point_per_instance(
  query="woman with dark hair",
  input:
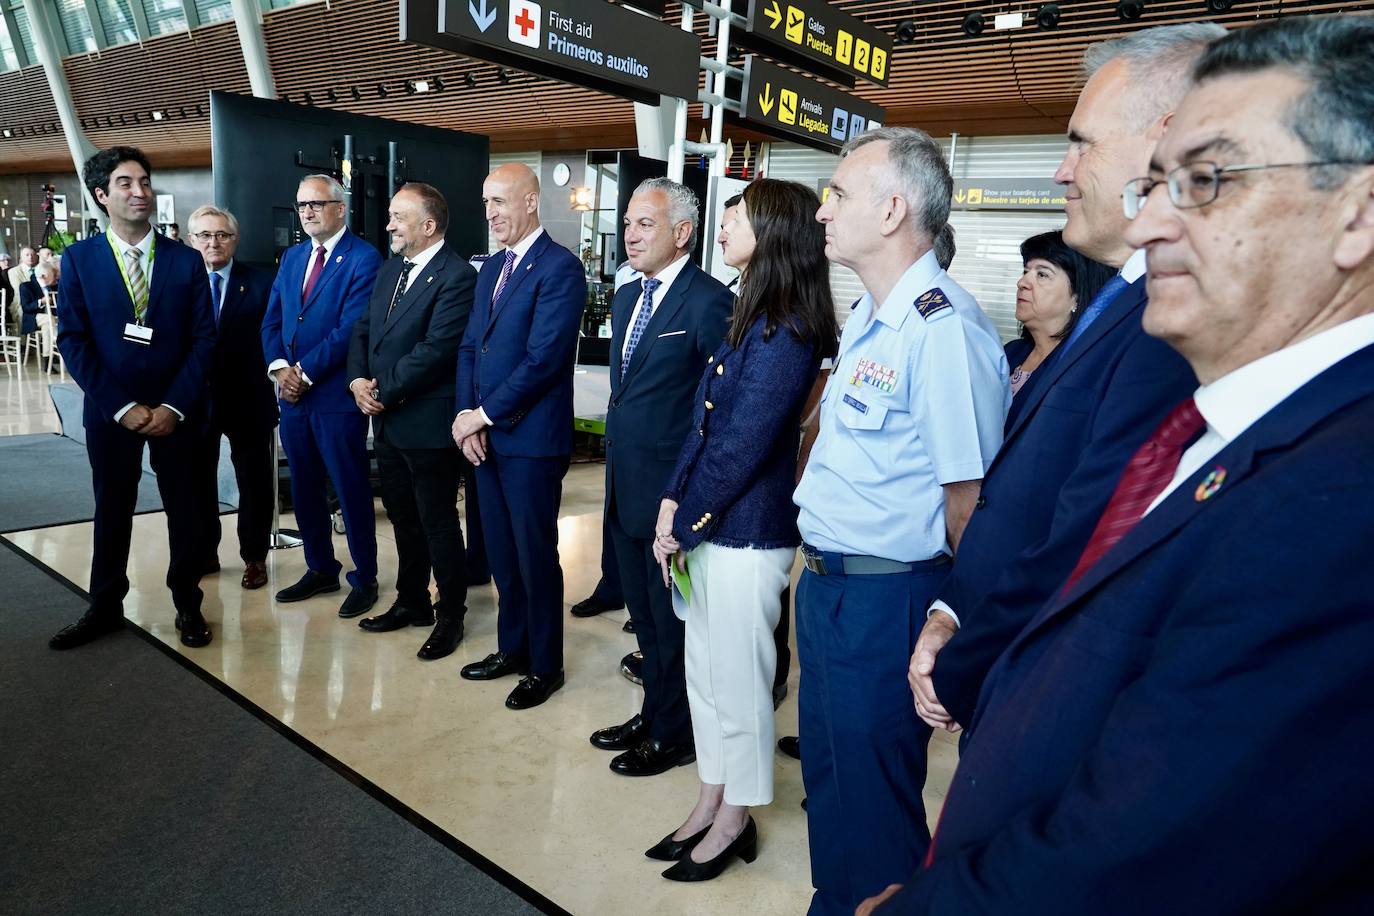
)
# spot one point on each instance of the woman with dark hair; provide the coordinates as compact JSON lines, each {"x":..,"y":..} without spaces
{"x":728,"y":522}
{"x":1055,"y":282}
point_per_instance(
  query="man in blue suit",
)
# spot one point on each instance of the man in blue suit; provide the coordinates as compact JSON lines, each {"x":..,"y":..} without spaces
{"x":321,"y":291}
{"x":1091,"y":404}
{"x":137,"y":334}
{"x":666,"y":324}
{"x":1184,"y":728}
{"x":514,"y":400}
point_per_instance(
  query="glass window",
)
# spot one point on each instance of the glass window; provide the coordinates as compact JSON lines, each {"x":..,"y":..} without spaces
{"x":119,"y":21}
{"x":214,"y":11}
{"x":21,"y":19}
{"x":76,"y":26}
{"x":164,"y":16}
{"x":8,"y":60}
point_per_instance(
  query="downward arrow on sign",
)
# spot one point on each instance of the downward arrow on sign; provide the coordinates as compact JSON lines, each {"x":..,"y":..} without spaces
{"x":766,"y":99}
{"x":774,"y":15}
{"x":481,"y":15}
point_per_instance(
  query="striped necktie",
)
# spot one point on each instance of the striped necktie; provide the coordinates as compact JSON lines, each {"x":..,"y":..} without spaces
{"x":646,"y":311}
{"x":138,"y":283}
{"x":505,"y":274}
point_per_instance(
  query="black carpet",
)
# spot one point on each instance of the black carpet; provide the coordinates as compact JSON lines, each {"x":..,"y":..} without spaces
{"x":47,"y":481}
{"x":132,"y":783}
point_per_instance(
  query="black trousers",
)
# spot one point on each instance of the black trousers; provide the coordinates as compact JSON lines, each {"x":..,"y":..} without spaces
{"x":659,"y":633}
{"x":780,"y":636}
{"x":608,"y":590}
{"x":479,"y":570}
{"x":116,"y":466}
{"x":250,"y":449}
{"x":420,"y":493}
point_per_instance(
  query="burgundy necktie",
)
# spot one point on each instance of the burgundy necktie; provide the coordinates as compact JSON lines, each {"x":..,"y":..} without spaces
{"x":314,"y":274}
{"x":1147,"y":474}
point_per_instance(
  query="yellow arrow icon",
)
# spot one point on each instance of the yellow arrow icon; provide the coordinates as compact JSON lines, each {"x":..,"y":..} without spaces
{"x":959,"y":197}
{"x":774,"y":15}
{"x":766,"y":99}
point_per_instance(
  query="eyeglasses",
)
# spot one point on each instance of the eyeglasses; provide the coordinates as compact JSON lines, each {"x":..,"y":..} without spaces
{"x":217,"y":236}
{"x":314,"y":206}
{"x":1198,"y":183}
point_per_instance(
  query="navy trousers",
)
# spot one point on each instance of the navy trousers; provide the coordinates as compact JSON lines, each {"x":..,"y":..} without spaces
{"x":863,"y":746}
{"x":116,"y":465}
{"x":520,"y":499}
{"x":336,"y":444}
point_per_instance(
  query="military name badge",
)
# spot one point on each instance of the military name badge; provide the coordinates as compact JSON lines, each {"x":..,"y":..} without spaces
{"x":933,"y":303}
{"x":1210,"y":484}
{"x":873,"y":373}
{"x":854,"y":402}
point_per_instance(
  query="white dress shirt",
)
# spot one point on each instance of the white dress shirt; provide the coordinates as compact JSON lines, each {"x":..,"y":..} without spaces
{"x":666,"y":276}
{"x":1234,"y":402}
{"x":521,"y":248}
{"x":144,"y":245}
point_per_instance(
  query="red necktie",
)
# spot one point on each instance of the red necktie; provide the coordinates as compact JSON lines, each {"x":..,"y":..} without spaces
{"x":1147,"y":474}
{"x":314,"y":274}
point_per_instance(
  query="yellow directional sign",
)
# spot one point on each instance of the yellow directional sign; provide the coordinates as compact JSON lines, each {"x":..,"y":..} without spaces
{"x":787,"y":107}
{"x":787,"y":104}
{"x":796,"y":20}
{"x":844,"y":47}
{"x":814,"y":35}
{"x":766,"y":99}
{"x":773,"y":13}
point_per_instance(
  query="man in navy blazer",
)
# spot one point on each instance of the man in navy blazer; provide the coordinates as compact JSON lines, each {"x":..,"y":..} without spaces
{"x":1185,"y":727}
{"x":136,"y":334}
{"x":514,"y":399}
{"x":243,"y":405}
{"x":1088,"y":408}
{"x":664,"y":327}
{"x":321,"y":291}
{"x":400,"y":365}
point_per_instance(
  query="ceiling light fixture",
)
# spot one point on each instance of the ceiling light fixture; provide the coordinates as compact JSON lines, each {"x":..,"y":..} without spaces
{"x":906,"y":31}
{"x":1047,"y":17}
{"x":1130,"y":10}
{"x":159,"y":116}
{"x":1219,"y":6}
{"x":973,"y":25}
{"x":470,"y":80}
{"x":503,"y":76}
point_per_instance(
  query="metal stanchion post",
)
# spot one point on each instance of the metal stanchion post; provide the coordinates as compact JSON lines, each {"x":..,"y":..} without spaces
{"x":282,"y":538}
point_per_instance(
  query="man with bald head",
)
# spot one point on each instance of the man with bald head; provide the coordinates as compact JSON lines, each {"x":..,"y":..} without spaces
{"x":514,"y":403}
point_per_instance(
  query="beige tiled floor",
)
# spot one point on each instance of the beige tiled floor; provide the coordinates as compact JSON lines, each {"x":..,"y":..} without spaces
{"x":524,"y":789}
{"x":24,"y":403}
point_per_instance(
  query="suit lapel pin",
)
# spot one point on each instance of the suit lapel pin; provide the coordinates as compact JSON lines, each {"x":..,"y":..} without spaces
{"x":243,"y":289}
{"x":1210,"y":484}
{"x":429,"y":279}
{"x":338,"y":259}
{"x":528,"y":266}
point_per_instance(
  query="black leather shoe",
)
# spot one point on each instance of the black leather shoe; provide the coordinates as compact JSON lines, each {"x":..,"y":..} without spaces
{"x":670,"y":850}
{"x":195,"y":632}
{"x":592,"y":606}
{"x":497,"y":664}
{"x":621,"y":737}
{"x":791,"y":746}
{"x":533,"y":690}
{"x":91,"y":626}
{"x":746,"y":846}
{"x":629,"y":627}
{"x":632,"y":668}
{"x":653,"y":757}
{"x":310,"y":585}
{"x":360,"y":601}
{"x":396,"y":617}
{"x":448,"y":633}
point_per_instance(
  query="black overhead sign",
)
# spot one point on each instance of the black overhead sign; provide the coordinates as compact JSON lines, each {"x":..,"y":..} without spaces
{"x":789,"y":105}
{"x":584,"y":42}
{"x":815,"y":36}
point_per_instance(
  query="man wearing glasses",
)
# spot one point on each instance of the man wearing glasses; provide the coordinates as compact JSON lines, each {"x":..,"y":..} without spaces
{"x":1184,"y":728}
{"x":321,"y":290}
{"x":1092,"y":404}
{"x":243,"y":405}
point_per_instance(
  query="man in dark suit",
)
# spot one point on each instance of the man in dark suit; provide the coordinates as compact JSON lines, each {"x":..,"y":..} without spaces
{"x":243,"y":404}
{"x":321,"y":291}
{"x":401,"y":362}
{"x":33,"y":295}
{"x":1087,"y":409}
{"x":1184,"y":727}
{"x":136,"y":334}
{"x":664,"y":327}
{"x":514,"y":422}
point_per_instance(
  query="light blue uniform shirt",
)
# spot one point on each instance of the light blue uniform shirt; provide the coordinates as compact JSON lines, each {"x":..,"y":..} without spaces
{"x":915,"y":401}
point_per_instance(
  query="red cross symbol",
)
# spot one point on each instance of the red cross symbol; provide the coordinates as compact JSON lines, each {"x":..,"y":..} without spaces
{"x":525,"y":23}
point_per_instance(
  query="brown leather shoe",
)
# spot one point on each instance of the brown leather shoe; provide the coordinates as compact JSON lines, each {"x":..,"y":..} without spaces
{"x":254,"y":575}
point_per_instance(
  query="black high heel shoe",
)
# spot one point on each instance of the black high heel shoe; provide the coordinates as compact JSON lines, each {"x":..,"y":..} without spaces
{"x":746,"y":846}
{"x":670,"y":850}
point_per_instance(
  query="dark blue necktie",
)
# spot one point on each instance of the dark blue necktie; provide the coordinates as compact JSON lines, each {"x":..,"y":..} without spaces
{"x":215,"y":281}
{"x":646,"y":311}
{"x":1109,"y":291}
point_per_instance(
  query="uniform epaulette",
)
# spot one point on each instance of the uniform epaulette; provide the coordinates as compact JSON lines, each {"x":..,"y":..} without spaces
{"x":933,"y":303}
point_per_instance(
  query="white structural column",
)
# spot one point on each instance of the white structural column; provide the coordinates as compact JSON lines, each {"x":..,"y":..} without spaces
{"x":248,"y":19}
{"x":46,"y":48}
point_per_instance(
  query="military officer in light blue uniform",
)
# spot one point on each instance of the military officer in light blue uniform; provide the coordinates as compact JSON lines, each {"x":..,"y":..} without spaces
{"x":910,"y":421}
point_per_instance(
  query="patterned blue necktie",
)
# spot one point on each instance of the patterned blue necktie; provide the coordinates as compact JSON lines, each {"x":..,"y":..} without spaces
{"x":505,"y":274}
{"x":646,"y":311}
{"x":1110,"y":290}
{"x":215,"y":281}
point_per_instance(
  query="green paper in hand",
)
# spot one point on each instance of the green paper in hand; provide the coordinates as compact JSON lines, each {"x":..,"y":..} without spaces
{"x":682,"y":578}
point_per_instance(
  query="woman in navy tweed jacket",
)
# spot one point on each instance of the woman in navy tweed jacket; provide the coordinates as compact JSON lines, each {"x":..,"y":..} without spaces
{"x":728,"y":518}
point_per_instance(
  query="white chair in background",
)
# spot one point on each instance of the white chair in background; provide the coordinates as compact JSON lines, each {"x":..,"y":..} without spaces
{"x":54,"y":355}
{"x":9,"y":343}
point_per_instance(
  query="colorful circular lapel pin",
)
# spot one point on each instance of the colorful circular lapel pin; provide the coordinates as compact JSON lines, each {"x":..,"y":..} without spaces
{"x":1210,"y":484}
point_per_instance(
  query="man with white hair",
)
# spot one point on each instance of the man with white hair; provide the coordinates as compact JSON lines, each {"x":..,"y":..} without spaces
{"x":34,"y":297}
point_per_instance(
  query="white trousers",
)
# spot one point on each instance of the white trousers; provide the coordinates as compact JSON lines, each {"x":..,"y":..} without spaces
{"x":734,"y":607}
{"x":47,"y":338}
